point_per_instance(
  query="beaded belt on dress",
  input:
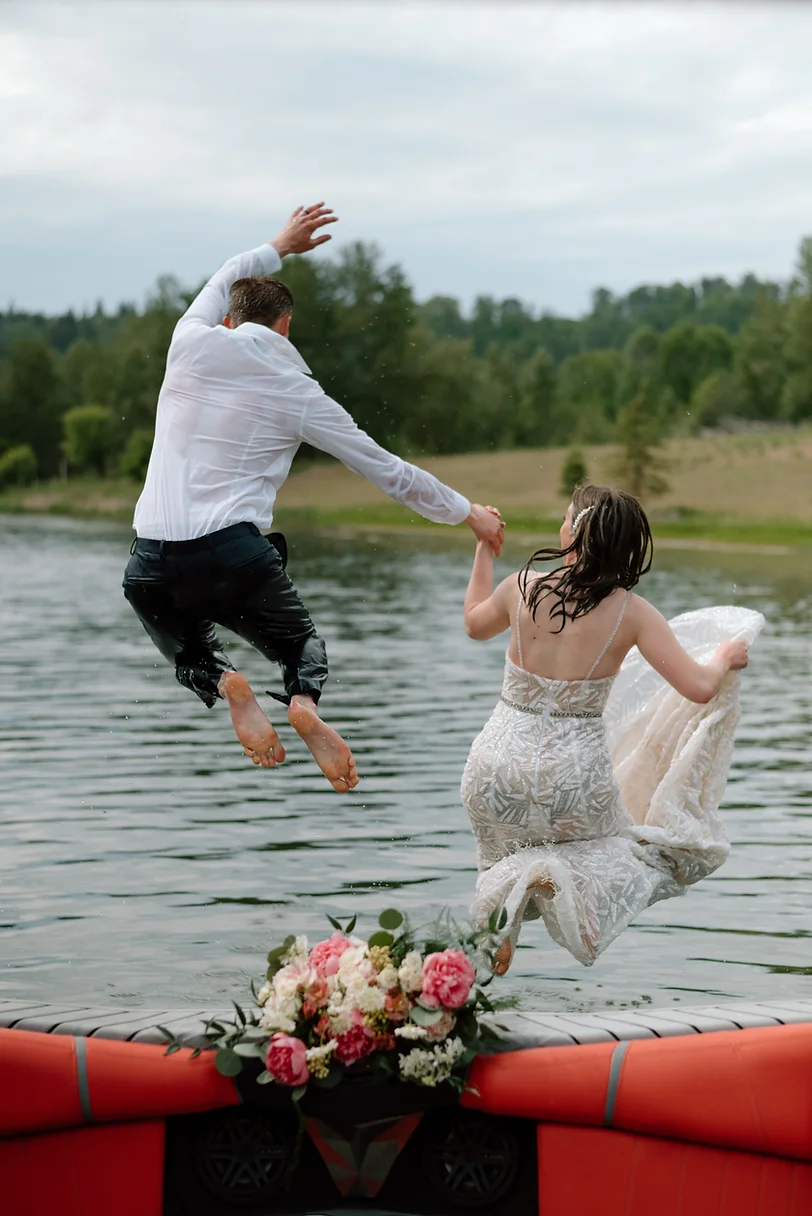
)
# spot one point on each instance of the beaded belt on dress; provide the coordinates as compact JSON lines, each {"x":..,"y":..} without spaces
{"x":553,"y":713}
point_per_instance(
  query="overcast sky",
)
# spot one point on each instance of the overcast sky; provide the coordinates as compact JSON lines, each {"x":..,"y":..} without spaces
{"x":529,"y":149}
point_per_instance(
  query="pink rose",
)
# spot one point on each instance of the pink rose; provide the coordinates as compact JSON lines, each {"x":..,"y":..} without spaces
{"x":447,"y":979}
{"x":315,"y":997}
{"x":442,"y":1028}
{"x":286,"y":1060}
{"x":358,"y":1042}
{"x":325,"y":956}
{"x":396,"y":1006}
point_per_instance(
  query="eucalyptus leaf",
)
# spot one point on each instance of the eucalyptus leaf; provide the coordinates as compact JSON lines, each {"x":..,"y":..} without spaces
{"x":255,"y":1033}
{"x":426,"y":1017}
{"x":264,"y":1078}
{"x":390,"y":918}
{"x":227,"y":1062}
{"x":298,"y":1093}
{"x":381,"y":938}
{"x":249,"y":1051}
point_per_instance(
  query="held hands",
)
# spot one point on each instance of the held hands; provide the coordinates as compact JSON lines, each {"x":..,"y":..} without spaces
{"x":733,"y":655}
{"x":487,"y":526}
{"x":297,"y":235}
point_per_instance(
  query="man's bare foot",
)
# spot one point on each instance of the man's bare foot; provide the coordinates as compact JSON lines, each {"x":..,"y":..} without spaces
{"x":329,"y":750}
{"x":502,"y":957}
{"x":254,"y":731}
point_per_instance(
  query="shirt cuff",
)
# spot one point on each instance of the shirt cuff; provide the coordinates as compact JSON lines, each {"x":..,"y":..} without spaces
{"x":271,"y":261}
{"x":460,"y":510}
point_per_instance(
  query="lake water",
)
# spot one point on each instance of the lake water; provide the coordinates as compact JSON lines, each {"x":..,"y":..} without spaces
{"x":144,"y":860}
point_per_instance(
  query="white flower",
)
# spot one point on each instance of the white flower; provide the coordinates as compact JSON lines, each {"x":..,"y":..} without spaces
{"x":354,"y":961}
{"x":340,"y":1021}
{"x":279,"y":1014}
{"x":321,"y":1053}
{"x":430,"y":1066}
{"x":286,"y":986}
{"x":388,"y":978}
{"x":371,"y":1000}
{"x":410,"y":1031}
{"x":410,"y":972}
{"x":263,"y":994}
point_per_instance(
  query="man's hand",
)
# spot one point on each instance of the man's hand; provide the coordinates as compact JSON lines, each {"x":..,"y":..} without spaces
{"x":486,"y":524}
{"x":297,"y":235}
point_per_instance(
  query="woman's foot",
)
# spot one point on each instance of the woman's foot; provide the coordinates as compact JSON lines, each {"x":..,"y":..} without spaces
{"x":329,"y":750}
{"x":254,"y":731}
{"x":502,"y":957}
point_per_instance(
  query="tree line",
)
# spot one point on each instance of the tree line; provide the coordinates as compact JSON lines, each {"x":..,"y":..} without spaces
{"x":78,"y":393}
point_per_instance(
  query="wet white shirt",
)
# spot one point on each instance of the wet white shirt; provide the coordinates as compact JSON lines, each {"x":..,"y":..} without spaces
{"x":233,"y":409}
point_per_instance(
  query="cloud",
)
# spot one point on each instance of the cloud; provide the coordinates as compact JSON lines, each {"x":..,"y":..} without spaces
{"x":526,"y":149}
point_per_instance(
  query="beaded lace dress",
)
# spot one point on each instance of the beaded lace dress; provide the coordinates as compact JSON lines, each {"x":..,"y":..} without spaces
{"x":591,"y":799}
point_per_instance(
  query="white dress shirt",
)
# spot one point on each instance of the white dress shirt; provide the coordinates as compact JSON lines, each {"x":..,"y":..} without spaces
{"x":233,"y":409}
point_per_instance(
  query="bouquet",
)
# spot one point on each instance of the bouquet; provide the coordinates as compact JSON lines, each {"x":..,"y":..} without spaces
{"x":387,"y":1007}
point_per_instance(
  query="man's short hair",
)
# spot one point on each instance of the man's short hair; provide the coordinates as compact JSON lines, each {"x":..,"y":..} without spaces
{"x":260,"y":299}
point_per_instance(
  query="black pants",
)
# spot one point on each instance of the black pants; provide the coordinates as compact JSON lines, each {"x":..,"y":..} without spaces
{"x":235,"y":578}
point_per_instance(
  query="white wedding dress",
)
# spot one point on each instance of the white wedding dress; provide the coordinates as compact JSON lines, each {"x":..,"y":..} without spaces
{"x":591,"y":799}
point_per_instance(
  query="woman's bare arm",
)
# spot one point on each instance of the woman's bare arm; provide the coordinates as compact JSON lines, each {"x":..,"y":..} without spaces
{"x":487,"y":612}
{"x":658,"y":645}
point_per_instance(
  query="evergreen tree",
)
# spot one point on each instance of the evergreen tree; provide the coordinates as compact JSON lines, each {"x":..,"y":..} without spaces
{"x":638,"y":466}
{"x":574,"y":471}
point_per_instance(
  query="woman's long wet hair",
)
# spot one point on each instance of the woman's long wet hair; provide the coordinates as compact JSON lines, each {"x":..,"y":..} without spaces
{"x":613,"y":547}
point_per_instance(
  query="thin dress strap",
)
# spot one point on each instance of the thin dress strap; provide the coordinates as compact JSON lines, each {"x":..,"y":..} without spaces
{"x":611,"y":637}
{"x":519,"y":630}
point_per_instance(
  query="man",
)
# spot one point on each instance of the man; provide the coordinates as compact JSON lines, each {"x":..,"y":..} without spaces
{"x":236,"y":402}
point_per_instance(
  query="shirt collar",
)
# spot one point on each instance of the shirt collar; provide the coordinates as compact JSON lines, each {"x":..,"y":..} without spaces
{"x":279,"y":343}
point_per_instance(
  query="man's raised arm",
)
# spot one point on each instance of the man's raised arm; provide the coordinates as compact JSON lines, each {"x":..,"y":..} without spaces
{"x":327,"y":426}
{"x":211,"y":304}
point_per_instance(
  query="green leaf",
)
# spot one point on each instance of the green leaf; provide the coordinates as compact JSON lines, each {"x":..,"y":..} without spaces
{"x":390,"y":918}
{"x":249,"y":1051}
{"x":483,"y":1001}
{"x":255,"y":1033}
{"x":264,"y":1078}
{"x":332,"y":1079}
{"x":381,"y":938}
{"x":298,"y":1093}
{"x":272,"y":970}
{"x":503,"y":919}
{"x":240,"y":1014}
{"x":197,"y":1051}
{"x":227,"y":1062}
{"x":351,"y":924}
{"x":426,"y":1017}
{"x":168,"y":1035}
{"x":172,"y":1049}
{"x":335,"y":924}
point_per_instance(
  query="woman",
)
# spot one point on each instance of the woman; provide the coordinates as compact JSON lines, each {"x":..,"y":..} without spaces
{"x":593,"y":789}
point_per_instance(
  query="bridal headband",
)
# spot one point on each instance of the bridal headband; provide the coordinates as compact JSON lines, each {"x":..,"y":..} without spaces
{"x":577,"y":521}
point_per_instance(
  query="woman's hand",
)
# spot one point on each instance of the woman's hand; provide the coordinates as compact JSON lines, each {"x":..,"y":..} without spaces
{"x":733,"y":655}
{"x":486,"y":525}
